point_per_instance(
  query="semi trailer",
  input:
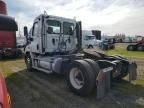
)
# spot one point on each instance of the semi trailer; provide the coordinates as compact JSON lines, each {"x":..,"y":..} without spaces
{"x":8,"y":37}
{"x":54,"y":45}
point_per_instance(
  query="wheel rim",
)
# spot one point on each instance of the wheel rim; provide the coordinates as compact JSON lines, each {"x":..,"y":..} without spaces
{"x":28,"y":62}
{"x":76,"y":78}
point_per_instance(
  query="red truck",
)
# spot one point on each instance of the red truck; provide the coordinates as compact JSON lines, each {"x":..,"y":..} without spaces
{"x":5,"y":101}
{"x":8,"y":37}
{"x":139,"y":46}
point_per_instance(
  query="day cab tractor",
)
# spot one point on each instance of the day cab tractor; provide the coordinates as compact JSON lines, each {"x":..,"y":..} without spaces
{"x":8,"y":36}
{"x":54,"y":46}
{"x":139,"y":46}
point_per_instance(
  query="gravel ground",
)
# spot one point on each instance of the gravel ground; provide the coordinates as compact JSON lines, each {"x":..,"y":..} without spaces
{"x":38,"y":90}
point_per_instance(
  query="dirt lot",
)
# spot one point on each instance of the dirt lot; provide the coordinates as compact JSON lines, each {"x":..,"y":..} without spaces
{"x":39,"y":90}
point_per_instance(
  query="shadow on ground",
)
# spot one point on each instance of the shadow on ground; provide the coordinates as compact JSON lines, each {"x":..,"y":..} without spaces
{"x":40,"y":90}
{"x":10,"y":58}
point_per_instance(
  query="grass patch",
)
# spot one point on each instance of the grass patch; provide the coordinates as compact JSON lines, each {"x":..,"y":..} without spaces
{"x":121,"y":50}
{"x":7,"y":64}
{"x":135,"y":88}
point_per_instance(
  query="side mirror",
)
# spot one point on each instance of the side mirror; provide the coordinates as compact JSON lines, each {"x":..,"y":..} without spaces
{"x":25,"y":31}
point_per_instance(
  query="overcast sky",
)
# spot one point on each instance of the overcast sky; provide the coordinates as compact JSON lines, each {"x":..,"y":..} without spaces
{"x":110,"y":16}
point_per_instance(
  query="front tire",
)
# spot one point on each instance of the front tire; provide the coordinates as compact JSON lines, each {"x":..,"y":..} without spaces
{"x":94,"y":66}
{"x":80,"y":78}
{"x":28,"y":62}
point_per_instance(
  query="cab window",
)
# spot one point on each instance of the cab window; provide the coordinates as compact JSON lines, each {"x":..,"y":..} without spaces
{"x":68,"y":28}
{"x":35,"y":29}
{"x":54,"y":27}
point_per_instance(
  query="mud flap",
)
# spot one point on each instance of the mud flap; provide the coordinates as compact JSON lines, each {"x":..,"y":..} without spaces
{"x":103,"y":82}
{"x":132,"y":71}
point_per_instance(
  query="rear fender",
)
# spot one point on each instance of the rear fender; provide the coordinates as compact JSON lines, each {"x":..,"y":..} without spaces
{"x":117,"y":66}
{"x":132,"y":71}
{"x":105,"y":63}
{"x":117,"y":57}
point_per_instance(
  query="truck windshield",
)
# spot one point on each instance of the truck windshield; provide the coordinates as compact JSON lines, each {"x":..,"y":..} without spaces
{"x":68,"y":28}
{"x":90,"y":37}
{"x":54,"y":27}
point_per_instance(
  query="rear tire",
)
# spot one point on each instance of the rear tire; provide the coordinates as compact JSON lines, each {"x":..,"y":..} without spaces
{"x":80,"y":77}
{"x":140,"y":47}
{"x":93,"y":65}
{"x":130,"y":48}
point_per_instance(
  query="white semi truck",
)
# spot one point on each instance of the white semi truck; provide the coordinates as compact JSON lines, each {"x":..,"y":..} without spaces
{"x":89,"y":40}
{"x":54,"y":45}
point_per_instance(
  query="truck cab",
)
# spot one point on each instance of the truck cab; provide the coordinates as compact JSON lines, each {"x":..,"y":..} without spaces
{"x":49,"y":41}
{"x":51,"y":34}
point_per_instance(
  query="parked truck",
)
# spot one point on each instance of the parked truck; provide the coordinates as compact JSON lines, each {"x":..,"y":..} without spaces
{"x":8,"y":38}
{"x":89,"y":40}
{"x":139,"y":46}
{"x":54,"y":45}
{"x":93,"y":39}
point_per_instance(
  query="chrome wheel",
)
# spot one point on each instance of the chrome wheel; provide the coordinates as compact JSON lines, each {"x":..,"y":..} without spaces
{"x":28,"y":62}
{"x":76,"y":78}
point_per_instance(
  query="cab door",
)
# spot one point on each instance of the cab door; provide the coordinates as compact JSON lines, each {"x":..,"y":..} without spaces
{"x":69,"y":35}
{"x":53,"y":34}
{"x":35,"y":38}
